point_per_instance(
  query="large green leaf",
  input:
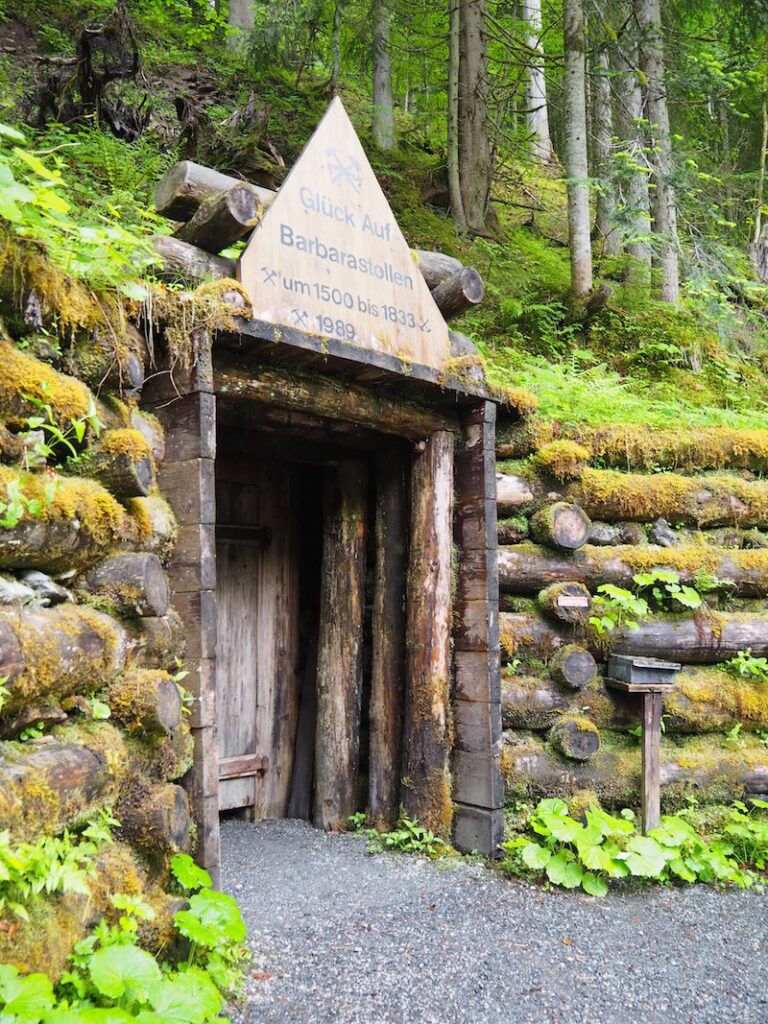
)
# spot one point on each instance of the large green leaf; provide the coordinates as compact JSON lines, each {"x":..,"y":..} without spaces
{"x":535,"y":856}
{"x":562,"y":871}
{"x":120,"y":969}
{"x":26,"y":999}
{"x":645,"y":857}
{"x":595,"y":885}
{"x":190,"y":998}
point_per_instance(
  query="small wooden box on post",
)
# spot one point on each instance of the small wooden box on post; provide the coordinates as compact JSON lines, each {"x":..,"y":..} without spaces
{"x":652,"y":678}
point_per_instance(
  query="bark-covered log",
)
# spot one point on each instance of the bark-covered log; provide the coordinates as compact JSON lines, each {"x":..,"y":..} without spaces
{"x":575,"y":737}
{"x":528,"y":568}
{"x":55,"y":652}
{"x":573,"y":666}
{"x":109,"y":361}
{"x":156,"y":819}
{"x":188,"y":185}
{"x":121,"y":460}
{"x":155,"y":642}
{"x":436,"y":267}
{"x":702,"y":765}
{"x":49,"y":785}
{"x":533,"y":702}
{"x":514,"y":493}
{"x":426,"y":789}
{"x":612,"y":534}
{"x":459,"y":293}
{"x":562,"y":525}
{"x":146,"y":701}
{"x":149,"y":426}
{"x":76,"y":523}
{"x":224,"y":218}
{"x":156,"y":525}
{"x":513,"y":530}
{"x":185,"y":262}
{"x":566,"y":602}
{"x":135,"y":584}
{"x":700,"y":639}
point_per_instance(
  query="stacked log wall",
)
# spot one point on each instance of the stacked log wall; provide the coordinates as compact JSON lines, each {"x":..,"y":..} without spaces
{"x":86,"y":622}
{"x":587,"y":506}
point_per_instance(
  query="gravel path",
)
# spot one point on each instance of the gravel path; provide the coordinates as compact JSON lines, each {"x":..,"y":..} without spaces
{"x":343,"y":936}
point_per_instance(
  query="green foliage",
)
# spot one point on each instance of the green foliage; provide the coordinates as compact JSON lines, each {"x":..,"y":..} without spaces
{"x":746,"y":665}
{"x":61,"y":444}
{"x":16,"y":505}
{"x":664,"y":588}
{"x":575,"y":854}
{"x":616,"y":608}
{"x":406,"y":837}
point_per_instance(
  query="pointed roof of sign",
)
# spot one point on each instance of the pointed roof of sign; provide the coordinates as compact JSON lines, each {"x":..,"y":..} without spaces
{"x":329,"y":259}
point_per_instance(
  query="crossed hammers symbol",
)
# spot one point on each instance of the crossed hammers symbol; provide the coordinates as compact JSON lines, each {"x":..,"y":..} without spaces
{"x":340,"y":171}
{"x":269,"y":275}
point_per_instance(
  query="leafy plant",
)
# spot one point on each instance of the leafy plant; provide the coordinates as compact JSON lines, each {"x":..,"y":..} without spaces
{"x":616,"y":608}
{"x":665,"y":589}
{"x":587,"y":855}
{"x":32,"y":732}
{"x":69,"y":439}
{"x":407,"y":836}
{"x":17,"y":504}
{"x":4,"y":691}
{"x":744,"y":664}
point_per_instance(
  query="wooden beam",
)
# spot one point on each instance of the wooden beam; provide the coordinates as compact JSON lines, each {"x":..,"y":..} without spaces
{"x":188,"y":185}
{"x":340,"y":650}
{"x":224,"y":218}
{"x":388,"y":629}
{"x":426,"y":792}
{"x":338,"y":399}
{"x":651,"y":733}
{"x":182,"y":261}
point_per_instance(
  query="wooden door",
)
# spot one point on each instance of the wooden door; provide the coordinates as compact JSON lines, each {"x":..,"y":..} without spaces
{"x":257,"y":684}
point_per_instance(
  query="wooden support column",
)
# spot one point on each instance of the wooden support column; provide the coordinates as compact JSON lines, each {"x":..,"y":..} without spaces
{"x":651,"y":734}
{"x":340,"y":648}
{"x":426,"y":783}
{"x":185,"y":404}
{"x":388,"y":636}
{"x":478,"y":788}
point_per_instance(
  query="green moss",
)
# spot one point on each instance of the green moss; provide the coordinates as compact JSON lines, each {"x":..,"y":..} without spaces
{"x":22,"y":375}
{"x":563,"y":460}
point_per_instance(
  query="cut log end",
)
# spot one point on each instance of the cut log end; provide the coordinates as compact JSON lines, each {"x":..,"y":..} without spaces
{"x":566,"y":602}
{"x":136,"y":583}
{"x":573,"y":666}
{"x":576,"y":738}
{"x":562,"y":526}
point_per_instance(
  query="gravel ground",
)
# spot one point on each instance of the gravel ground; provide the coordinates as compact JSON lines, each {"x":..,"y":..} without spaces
{"x":340,"y":935}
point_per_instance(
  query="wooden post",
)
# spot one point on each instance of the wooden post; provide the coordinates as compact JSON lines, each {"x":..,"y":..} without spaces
{"x":478,"y":789}
{"x":388,"y":635}
{"x":426,"y":782}
{"x":185,"y":404}
{"x":652,"y":705}
{"x":340,"y":649}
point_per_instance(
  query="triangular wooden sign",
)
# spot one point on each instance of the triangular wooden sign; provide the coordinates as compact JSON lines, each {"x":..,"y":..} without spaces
{"x":328,"y":258}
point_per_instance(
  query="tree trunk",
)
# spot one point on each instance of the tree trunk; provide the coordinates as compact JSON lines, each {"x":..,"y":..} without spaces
{"x":388,"y":629}
{"x":240,"y":17}
{"x":55,"y":652}
{"x":338,"y":13}
{"x":454,"y":59}
{"x":527,"y":568}
{"x":339,"y":661}
{"x":135,"y":583}
{"x":185,"y":262}
{"x":576,"y":162}
{"x":426,"y":792}
{"x":602,"y":117}
{"x":536,"y":111}
{"x":629,"y":112}
{"x":383,"y":108}
{"x":475,"y":169}
{"x":648,"y":15}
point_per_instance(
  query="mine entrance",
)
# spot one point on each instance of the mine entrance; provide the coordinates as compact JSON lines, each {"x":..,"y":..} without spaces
{"x":295,"y":557}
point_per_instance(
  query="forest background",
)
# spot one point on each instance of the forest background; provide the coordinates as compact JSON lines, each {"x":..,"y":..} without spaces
{"x":601,"y":162}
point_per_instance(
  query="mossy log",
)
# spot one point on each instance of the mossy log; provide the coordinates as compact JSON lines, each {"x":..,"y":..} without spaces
{"x":155,"y":642}
{"x":458,"y":293}
{"x":146,"y":701}
{"x":77,"y":523}
{"x":47,"y":786}
{"x":513,"y":530}
{"x":50,"y":653}
{"x":135,"y":584}
{"x":156,"y":524}
{"x":25,"y":381}
{"x":528,"y":568}
{"x":31,"y":715}
{"x":573,"y":666}
{"x":566,"y":602}
{"x":699,"y":639}
{"x":703,"y":765}
{"x":185,"y":262}
{"x":563,"y":526}
{"x":156,"y":820}
{"x":44,"y":943}
{"x":160,"y":756}
{"x":575,"y":737}
{"x":532,"y":702}
{"x":515,"y":493}
{"x":109,"y":360}
{"x":224,"y":218}
{"x":121,"y":460}
{"x":613,"y":534}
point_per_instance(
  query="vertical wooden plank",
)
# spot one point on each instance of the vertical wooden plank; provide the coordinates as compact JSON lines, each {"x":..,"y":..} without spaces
{"x":388,"y":639}
{"x":652,"y":705}
{"x":426,"y":784}
{"x":339,"y":661}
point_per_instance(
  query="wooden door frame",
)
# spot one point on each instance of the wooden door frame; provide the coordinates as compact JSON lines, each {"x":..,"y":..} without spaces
{"x":185,"y":402}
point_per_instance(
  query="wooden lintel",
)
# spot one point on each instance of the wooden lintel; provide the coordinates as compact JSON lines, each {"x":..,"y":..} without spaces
{"x":331,"y":398}
{"x":242,"y":766}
